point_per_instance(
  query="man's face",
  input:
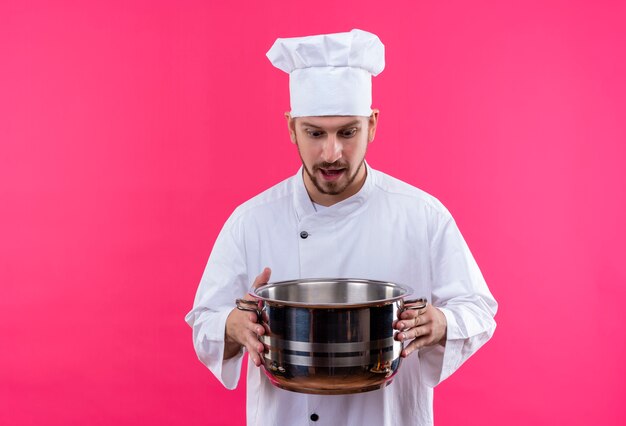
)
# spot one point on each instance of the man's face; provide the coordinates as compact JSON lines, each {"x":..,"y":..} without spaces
{"x":332,"y":149}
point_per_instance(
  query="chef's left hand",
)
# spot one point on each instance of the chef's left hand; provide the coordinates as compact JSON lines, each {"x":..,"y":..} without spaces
{"x":427,"y":326}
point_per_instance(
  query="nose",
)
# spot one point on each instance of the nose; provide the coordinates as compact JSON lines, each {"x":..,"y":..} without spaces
{"x":331,"y":151}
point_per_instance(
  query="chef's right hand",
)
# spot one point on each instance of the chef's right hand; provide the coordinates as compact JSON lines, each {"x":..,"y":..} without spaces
{"x":242,"y":328}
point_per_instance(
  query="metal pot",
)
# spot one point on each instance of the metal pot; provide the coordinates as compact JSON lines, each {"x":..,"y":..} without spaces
{"x":330,"y":336}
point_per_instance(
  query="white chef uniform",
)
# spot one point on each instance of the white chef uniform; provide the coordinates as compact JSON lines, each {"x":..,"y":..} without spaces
{"x":388,"y":231}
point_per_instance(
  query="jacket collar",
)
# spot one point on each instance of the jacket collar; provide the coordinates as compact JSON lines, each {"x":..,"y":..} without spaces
{"x":304,"y":205}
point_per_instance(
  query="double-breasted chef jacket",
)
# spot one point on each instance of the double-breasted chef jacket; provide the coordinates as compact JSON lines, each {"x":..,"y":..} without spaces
{"x":388,"y":231}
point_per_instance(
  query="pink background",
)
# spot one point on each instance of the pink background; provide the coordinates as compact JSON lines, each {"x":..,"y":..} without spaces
{"x":130,"y":130}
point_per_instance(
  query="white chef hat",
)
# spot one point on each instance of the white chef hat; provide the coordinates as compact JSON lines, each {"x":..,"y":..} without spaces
{"x":330,"y":74}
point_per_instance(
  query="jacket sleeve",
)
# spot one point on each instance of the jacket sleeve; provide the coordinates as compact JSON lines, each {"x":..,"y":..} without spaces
{"x":460,"y":292}
{"x":225,"y":279}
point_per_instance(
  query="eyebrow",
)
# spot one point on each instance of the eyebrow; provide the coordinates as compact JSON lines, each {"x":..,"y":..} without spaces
{"x":351,"y":123}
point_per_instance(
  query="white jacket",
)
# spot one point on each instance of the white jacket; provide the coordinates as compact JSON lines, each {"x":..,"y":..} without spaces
{"x":388,"y":231}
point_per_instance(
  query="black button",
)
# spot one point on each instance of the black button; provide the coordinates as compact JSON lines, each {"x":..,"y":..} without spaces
{"x":314,"y":417}
{"x":304,"y":234}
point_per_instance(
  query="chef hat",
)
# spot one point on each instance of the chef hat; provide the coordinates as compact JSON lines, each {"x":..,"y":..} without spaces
{"x":330,"y":74}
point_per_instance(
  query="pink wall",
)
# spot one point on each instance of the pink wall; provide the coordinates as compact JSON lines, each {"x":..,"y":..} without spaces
{"x":130,"y":130}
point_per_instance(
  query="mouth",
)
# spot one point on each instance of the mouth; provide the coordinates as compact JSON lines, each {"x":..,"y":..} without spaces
{"x":331,"y":174}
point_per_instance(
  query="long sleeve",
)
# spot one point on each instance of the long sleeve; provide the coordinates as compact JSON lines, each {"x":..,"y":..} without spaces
{"x":389,"y":231}
{"x":224,"y":279}
{"x":460,"y":292}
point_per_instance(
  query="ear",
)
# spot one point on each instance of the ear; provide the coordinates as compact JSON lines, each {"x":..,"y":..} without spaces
{"x":291,"y":126}
{"x":371,"y":125}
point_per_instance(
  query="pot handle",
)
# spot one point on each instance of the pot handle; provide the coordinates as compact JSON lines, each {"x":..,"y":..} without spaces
{"x":250,"y":306}
{"x":414,"y":304}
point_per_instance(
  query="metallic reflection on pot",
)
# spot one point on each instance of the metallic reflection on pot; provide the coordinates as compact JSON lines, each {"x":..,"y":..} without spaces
{"x":331,"y":336}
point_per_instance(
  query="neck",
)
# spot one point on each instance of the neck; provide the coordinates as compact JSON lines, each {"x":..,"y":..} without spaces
{"x":328,"y":200}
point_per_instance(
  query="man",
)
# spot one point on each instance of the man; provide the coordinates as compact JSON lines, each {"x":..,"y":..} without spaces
{"x":338,"y":217}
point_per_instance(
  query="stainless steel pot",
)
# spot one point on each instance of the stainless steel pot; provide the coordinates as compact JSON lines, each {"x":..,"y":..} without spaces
{"x":330,"y":336}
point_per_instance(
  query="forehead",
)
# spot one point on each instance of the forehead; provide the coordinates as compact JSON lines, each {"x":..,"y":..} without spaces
{"x":331,"y":121}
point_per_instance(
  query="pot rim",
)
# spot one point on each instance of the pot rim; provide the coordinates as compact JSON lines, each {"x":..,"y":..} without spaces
{"x":332,"y":305}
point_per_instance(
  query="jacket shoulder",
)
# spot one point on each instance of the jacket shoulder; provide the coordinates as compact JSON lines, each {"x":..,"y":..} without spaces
{"x":404,"y":192}
{"x":280,"y":193}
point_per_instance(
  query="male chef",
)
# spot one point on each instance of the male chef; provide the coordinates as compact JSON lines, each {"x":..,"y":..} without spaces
{"x":338,"y":217}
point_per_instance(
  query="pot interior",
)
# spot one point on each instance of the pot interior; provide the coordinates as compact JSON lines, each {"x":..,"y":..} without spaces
{"x":331,"y":292}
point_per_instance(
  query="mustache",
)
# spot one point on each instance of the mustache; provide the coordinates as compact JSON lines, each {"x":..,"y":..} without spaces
{"x":334,"y":165}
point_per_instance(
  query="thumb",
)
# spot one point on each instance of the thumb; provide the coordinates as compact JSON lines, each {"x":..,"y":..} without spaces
{"x":259,"y":281}
{"x":263,"y":278}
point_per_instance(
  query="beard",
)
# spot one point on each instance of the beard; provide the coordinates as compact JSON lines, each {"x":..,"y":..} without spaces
{"x":332,"y":188}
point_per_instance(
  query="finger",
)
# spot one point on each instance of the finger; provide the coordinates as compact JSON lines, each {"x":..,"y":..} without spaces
{"x":417,"y":321}
{"x":412,"y":333}
{"x":241,"y":323}
{"x":255,"y":348}
{"x":410,"y":313}
{"x":249,"y":322}
{"x":256,"y":328}
{"x":405,"y":321}
{"x":254,"y":344}
{"x":263,"y":278}
{"x":254,"y":357}
{"x":259,"y":281}
{"x":401,"y":325}
{"x":412,"y":322}
{"x":413,"y":346}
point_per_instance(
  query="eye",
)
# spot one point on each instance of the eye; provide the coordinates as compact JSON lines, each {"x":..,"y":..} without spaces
{"x":348,"y":133}
{"x":314,"y":133}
